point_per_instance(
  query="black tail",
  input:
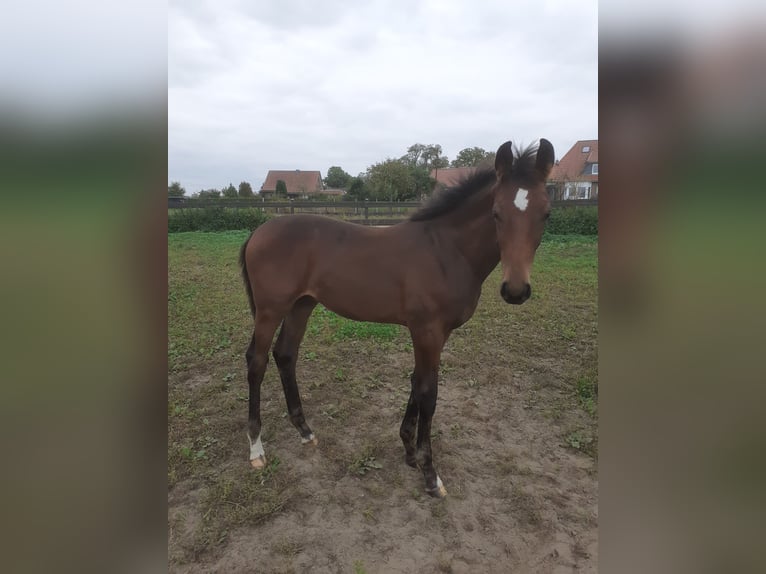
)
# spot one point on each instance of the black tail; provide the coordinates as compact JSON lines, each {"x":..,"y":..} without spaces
{"x":245,"y":277}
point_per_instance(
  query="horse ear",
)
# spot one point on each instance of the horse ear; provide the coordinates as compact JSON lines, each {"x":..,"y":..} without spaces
{"x":545,"y":158}
{"x":504,"y":159}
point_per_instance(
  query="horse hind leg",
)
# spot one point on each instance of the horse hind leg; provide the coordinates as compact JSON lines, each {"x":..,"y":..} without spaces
{"x":257,"y":358}
{"x":286,"y":357}
{"x":407,"y":430}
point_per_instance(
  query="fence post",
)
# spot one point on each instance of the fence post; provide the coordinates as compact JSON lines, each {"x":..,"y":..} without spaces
{"x":366,"y":215}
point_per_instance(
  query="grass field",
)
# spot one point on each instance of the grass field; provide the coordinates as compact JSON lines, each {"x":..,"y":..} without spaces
{"x":514,"y":434}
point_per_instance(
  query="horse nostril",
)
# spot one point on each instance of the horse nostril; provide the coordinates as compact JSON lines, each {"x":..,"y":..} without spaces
{"x":515,"y":298}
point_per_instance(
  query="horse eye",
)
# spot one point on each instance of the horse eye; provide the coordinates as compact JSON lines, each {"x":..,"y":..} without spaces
{"x":496,"y":215}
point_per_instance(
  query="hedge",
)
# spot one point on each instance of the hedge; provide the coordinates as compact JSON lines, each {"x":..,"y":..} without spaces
{"x":581,"y":220}
{"x":214,"y":219}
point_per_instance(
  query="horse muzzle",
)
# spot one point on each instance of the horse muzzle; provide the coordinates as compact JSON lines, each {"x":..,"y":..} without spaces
{"x":515,"y":298}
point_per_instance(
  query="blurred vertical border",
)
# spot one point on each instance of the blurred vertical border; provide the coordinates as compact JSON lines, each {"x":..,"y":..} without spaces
{"x":83,"y":286}
{"x":682,"y":93}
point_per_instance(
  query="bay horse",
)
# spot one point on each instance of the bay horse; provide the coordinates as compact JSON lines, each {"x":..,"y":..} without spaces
{"x":425,"y":273}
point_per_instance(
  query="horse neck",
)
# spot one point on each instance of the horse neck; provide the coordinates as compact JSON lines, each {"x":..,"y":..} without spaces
{"x":473,"y":230}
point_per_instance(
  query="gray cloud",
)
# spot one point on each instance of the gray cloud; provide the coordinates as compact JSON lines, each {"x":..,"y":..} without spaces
{"x":305,"y":85}
{"x":71,"y":57}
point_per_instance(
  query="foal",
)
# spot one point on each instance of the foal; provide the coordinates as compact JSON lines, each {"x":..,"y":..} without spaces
{"x":425,"y":273}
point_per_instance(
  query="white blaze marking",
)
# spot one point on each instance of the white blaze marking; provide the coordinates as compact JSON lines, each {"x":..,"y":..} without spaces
{"x":256,"y":448}
{"x":521,"y":200}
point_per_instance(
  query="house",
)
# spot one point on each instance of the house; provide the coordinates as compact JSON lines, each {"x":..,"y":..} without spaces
{"x":300,"y":184}
{"x":450,"y":176}
{"x":575,"y":176}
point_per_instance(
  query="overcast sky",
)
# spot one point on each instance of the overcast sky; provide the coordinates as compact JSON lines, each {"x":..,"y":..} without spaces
{"x":300,"y":84}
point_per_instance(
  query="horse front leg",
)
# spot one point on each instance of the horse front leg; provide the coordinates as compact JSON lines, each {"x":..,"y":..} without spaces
{"x":428,"y":344}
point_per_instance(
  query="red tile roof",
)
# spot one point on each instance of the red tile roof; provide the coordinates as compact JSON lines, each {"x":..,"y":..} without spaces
{"x":451,"y":176}
{"x":297,"y":181}
{"x":571,"y":166}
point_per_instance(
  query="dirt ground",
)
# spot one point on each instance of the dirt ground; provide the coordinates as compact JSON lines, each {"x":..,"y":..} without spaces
{"x":512,"y":441}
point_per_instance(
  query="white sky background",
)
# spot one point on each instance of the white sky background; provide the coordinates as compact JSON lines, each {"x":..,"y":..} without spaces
{"x":75,"y":59}
{"x":298,"y":84}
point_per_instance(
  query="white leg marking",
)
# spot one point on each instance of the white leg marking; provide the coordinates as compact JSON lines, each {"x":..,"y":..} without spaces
{"x":521,"y":200}
{"x":256,"y":448}
{"x":311,"y":438}
{"x":440,"y":487}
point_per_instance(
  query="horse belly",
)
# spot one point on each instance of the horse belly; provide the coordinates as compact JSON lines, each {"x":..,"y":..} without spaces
{"x":361,"y":295}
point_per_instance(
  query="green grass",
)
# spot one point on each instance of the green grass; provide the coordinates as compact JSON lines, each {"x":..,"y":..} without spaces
{"x":587,"y":392}
{"x":232,"y":501}
{"x":324,"y":321}
{"x":364,"y":461}
{"x":582,"y":441}
{"x":207,"y":306}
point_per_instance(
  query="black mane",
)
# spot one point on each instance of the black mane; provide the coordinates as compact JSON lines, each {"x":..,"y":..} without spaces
{"x":449,"y":199}
{"x":524,"y":171}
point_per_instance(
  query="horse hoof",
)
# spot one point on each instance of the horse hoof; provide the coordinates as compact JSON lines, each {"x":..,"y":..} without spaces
{"x":439,"y":491}
{"x":311,"y":439}
{"x":258,"y":463}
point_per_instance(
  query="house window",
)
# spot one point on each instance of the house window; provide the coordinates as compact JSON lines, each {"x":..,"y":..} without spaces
{"x":595,"y":169}
{"x":585,"y":148}
{"x":578,"y":190}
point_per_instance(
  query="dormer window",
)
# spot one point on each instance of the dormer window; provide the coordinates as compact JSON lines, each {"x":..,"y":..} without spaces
{"x":585,"y":148}
{"x":595,"y":169}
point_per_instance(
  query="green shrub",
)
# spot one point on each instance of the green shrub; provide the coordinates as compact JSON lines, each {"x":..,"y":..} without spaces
{"x":214,"y":219}
{"x":581,"y":220}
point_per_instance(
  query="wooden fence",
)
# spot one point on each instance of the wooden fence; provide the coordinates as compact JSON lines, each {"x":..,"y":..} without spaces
{"x":366,"y":212}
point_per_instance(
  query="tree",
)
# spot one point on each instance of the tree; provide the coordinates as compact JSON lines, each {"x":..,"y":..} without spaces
{"x":559,"y":185}
{"x":357,"y":189}
{"x":440,"y":162}
{"x":209,"y":194}
{"x":229,"y":192}
{"x":337,"y":178}
{"x":431,"y":157}
{"x":423,"y":182}
{"x":175,"y":190}
{"x":425,"y":156}
{"x":391,"y":180}
{"x":472,"y":157}
{"x":245,"y":189}
{"x":412,"y":157}
{"x":281,"y":187}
